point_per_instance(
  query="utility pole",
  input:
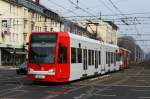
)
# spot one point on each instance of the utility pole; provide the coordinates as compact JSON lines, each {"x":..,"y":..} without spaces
{"x":100,"y":15}
{"x":135,"y":54}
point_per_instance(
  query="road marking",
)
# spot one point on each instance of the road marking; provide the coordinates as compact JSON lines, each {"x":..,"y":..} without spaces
{"x":131,"y":86}
{"x":138,"y":90}
{"x":109,"y":89}
{"x":21,"y":90}
{"x":144,"y":97}
{"x":11,"y":90}
{"x":12,"y":78}
{"x":104,"y":95}
{"x":141,"y":80}
{"x":79,"y":97}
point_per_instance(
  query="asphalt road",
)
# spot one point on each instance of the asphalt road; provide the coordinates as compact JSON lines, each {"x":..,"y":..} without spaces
{"x":132,"y":83}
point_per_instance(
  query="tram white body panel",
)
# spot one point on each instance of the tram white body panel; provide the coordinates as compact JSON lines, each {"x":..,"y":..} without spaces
{"x":77,"y":70}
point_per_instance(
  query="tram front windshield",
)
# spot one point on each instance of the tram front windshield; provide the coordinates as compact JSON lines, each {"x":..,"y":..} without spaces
{"x":42,"y":48}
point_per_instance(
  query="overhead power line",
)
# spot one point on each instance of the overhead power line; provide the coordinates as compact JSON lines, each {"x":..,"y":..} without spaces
{"x":82,"y":9}
{"x":116,"y":8}
{"x":62,"y":7}
{"x":142,"y":34}
{"x":101,"y":1}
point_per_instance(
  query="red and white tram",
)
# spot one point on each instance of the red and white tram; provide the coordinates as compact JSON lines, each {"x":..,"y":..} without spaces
{"x":123,"y":57}
{"x":63,"y":57}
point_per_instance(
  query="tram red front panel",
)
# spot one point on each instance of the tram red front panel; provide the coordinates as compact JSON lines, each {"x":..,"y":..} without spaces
{"x":62,"y":71}
{"x":63,"y":68}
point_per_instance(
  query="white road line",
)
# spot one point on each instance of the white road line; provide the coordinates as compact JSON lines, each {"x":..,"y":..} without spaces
{"x":138,"y":90}
{"x":109,"y":89}
{"x":12,"y":78}
{"x":105,"y":95}
{"x":80,"y":97}
{"x":131,"y":86}
{"x":11,"y":90}
{"x":144,"y":97}
{"x":101,"y":77}
{"x":141,"y":80}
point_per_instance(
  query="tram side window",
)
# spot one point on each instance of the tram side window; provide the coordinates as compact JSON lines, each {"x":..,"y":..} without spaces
{"x":109,"y":55}
{"x":112,"y":58}
{"x":62,"y":55}
{"x":115,"y":58}
{"x":89,"y":57}
{"x":106,"y":58}
{"x":79,"y":55}
{"x":119,"y":57}
{"x":99,"y":57}
{"x":73,"y":55}
{"x":92,"y":57}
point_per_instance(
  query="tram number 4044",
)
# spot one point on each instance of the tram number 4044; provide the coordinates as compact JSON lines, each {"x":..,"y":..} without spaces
{"x":39,"y":76}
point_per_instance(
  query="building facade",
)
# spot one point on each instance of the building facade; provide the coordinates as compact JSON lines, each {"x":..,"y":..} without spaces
{"x":18,"y":18}
{"x":105,"y":31}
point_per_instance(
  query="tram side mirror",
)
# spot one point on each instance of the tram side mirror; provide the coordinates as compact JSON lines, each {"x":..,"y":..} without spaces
{"x":27,"y":43}
{"x":60,"y":45}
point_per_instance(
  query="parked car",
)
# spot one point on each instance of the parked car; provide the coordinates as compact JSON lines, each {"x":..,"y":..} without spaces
{"x":22,"y":69}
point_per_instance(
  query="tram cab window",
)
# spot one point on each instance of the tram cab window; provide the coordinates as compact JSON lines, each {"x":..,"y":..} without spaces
{"x":62,"y":55}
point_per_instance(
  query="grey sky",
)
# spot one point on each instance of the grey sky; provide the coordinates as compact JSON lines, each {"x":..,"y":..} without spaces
{"x":64,"y":8}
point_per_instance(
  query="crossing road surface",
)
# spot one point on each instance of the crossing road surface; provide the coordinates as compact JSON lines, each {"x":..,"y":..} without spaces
{"x":132,"y":83}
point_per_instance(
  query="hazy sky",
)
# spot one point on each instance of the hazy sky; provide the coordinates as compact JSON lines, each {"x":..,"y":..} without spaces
{"x":94,"y":7}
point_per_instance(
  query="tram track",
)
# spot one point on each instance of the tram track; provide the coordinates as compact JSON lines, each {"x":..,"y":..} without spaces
{"x":87,"y":88}
{"x":5,"y":92}
{"x":11,"y":82}
{"x":94,"y":85}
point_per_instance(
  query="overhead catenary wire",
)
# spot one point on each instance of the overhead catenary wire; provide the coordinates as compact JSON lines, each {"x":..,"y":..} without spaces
{"x":101,"y":1}
{"x":82,"y":8}
{"x":62,"y":7}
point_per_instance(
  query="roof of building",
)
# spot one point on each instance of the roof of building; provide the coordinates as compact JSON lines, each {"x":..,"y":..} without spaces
{"x":34,"y":6}
{"x":112,"y":24}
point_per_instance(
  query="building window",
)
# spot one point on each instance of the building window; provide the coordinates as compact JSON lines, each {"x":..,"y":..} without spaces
{"x":73,"y":55}
{"x":33,"y":26}
{"x":40,"y":29}
{"x":52,"y":22}
{"x":17,"y":38}
{"x":13,"y":37}
{"x":10,"y":8}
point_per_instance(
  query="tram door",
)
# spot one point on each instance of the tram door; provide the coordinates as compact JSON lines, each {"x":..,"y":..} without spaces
{"x":85,"y":59}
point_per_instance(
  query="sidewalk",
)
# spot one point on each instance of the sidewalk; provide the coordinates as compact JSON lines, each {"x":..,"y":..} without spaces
{"x":8,"y":67}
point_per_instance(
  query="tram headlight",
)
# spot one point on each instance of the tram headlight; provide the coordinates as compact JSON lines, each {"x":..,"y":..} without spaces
{"x":30,"y":70}
{"x":51,"y":71}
